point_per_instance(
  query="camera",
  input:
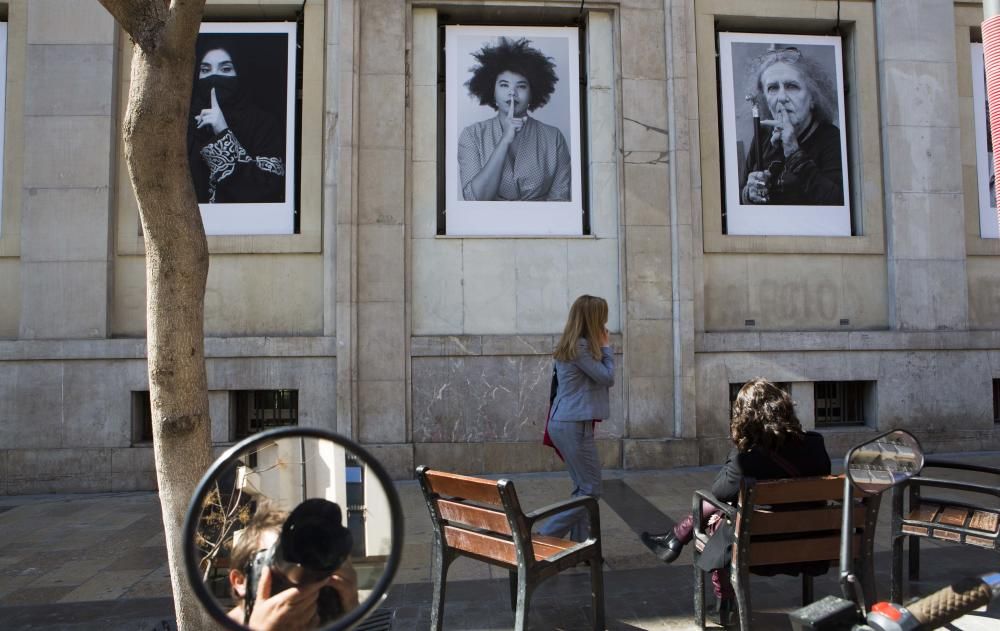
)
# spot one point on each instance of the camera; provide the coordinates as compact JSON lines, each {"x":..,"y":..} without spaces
{"x":312,"y":545}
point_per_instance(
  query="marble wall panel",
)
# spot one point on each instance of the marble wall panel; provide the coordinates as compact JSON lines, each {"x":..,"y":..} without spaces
{"x":491,"y":399}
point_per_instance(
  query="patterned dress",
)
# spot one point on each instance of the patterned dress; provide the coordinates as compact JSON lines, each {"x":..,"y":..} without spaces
{"x":537,"y":167}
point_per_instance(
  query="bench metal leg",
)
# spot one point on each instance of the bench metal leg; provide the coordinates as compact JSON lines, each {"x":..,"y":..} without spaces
{"x":914,"y":558}
{"x":896,"y":580}
{"x":699,"y":595}
{"x":523,"y":601}
{"x":597,"y":592}
{"x":807,"y":589}
{"x":439,"y":572}
{"x":741,"y":585}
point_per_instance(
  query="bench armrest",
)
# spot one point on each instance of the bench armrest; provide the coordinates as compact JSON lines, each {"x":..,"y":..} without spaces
{"x":702,"y":495}
{"x":953,"y":485}
{"x":934,"y":463}
{"x":560,"y":507}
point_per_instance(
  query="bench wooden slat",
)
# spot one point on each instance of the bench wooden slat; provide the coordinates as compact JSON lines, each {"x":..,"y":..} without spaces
{"x":953,"y":516}
{"x":475,"y":516}
{"x":798,"y":550}
{"x":455,"y":485}
{"x":986,"y":521}
{"x":481,"y":544}
{"x":924,"y":512}
{"x":799,"y":490}
{"x":809,"y":520}
{"x":502,"y":550}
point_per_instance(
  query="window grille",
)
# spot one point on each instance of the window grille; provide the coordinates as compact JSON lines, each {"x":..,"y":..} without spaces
{"x":258,"y":410}
{"x":840,"y":402}
{"x":142,"y":417}
{"x":996,"y":400}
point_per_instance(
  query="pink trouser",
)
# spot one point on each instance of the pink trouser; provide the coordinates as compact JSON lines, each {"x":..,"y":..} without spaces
{"x":684,"y":531}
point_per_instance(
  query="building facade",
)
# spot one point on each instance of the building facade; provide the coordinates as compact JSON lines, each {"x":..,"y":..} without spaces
{"x":371,"y":319}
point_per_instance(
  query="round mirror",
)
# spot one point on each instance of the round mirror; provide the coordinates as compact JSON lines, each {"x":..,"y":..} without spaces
{"x":884,"y":461}
{"x":293,"y":528}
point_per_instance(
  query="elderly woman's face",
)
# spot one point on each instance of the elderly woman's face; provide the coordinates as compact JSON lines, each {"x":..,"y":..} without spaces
{"x":787,"y":92}
{"x":510,"y":85}
{"x":218,"y":63}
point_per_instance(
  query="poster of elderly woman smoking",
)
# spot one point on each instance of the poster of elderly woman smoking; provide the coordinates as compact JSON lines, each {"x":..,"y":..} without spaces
{"x":512,"y":138}
{"x":784,"y":140}
{"x":241,"y":129}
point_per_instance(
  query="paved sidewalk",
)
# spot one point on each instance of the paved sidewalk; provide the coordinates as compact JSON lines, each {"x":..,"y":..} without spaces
{"x":97,"y":561}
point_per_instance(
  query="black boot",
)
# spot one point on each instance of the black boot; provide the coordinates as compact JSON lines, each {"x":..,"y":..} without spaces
{"x":666,"y":546}
{"x":727,"y":612}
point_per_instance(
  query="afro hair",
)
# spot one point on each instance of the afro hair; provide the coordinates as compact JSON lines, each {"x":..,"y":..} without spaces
{"x":513,"y":56}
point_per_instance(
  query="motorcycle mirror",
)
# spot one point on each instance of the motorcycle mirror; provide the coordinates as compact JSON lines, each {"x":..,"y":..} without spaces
{"x":288,"y":508}
{"x":884,"y":462}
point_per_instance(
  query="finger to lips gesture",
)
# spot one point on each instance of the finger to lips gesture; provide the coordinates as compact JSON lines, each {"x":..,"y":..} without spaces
{"x":513,"y":124}
{"x":784,"y":130}
{"x":212,"y":116}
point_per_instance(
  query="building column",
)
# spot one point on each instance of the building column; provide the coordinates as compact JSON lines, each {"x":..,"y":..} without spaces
{"x":69,"y":143}
{"x":925,"y":216}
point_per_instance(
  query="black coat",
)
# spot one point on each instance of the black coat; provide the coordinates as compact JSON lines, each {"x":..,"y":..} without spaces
{"x":808,"y":457}
{"x":803,"y":458}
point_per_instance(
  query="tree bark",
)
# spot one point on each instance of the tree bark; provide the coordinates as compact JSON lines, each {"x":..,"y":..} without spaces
{"x":155,"y":133}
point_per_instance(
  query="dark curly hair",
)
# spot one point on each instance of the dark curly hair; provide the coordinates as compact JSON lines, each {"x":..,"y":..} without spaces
{"x":763,"y":416}
{"x":513,"y":56}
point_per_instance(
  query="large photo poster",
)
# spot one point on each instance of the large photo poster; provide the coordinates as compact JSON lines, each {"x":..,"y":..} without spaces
{"x":985,"y":178}
{"x":241,"y":129}
{"x":512,"y":117}
{"x":784,"y":140}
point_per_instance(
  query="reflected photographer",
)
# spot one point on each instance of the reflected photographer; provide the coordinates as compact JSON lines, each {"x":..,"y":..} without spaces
{"x":293,"y":571}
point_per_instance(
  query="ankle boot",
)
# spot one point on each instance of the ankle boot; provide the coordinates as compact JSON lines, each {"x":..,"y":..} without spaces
{"x":727,"y":612}
{"x":666,"y":546}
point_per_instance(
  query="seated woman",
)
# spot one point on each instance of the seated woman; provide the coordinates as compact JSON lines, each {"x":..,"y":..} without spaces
{"x":512,"y":156}
{"x":768,"y":444}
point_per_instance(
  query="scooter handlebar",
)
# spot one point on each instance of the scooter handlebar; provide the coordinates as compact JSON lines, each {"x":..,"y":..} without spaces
{"x":943,"y":606}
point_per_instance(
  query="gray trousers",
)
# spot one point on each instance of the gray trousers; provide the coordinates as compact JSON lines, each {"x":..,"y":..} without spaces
{"x":575,"y":441}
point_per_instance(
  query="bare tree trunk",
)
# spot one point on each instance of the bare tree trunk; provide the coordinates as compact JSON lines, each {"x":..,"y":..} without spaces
{"x":155,"y":134}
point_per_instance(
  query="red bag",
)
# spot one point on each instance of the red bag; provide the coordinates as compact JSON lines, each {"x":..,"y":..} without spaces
{"x":546,"y":439}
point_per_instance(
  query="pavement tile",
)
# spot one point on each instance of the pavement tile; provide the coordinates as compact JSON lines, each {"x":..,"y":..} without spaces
{"x":107,"y":585}
{"x":48,"y":542}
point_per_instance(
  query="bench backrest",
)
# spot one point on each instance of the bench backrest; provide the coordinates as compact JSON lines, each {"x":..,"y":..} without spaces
{"x":476,"y":516}
{"x":796,"y":520}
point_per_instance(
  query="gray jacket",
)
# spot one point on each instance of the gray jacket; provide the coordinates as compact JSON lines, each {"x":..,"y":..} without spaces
{"x":582,"y":394}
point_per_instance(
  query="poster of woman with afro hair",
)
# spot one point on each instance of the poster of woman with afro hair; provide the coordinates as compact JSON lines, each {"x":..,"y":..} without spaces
{"x":513,"y":131}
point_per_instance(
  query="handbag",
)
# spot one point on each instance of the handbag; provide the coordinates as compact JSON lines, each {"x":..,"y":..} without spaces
{"x":546,"y":439}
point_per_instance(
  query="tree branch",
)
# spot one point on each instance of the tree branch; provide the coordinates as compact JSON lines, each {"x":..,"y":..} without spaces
{"x":143,"y":20}
{"x":185,"y":17}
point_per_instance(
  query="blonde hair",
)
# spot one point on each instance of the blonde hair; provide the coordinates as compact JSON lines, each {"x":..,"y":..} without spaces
{"x":586,"y":319}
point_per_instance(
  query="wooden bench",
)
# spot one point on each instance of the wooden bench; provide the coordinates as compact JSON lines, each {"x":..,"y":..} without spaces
{"x":965,"y":518}
{"x":784,"y":522}
{"x":482,"y":519}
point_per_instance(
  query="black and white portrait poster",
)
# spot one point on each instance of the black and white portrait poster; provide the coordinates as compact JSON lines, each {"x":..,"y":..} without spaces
{"x":241,"y":144}
{"x":985,"y":179}
{"x":512,"y":116}
{"x":784,"y":141}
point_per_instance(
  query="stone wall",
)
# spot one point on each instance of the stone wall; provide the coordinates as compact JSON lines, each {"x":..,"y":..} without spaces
{"x":434,"y":350}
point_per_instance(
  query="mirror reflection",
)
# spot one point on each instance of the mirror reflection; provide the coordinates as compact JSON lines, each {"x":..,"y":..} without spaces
{"x":293,"y":533}
{"x":884,"y":462}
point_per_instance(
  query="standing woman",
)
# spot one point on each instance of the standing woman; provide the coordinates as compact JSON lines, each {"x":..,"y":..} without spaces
{"x":585,"y":369}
